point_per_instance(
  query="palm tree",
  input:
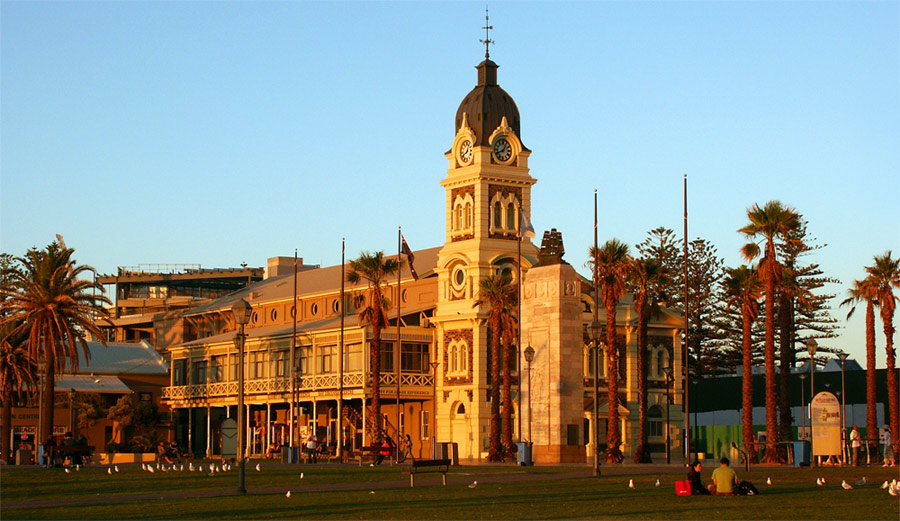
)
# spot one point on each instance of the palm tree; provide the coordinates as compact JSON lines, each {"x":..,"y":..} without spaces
{"x":885,"y":276}
{"x":612,"y":264}
{"x":374,"y":269}
{"x":509,"y":326}
{"x":790,"y":294}
{"x":17,"y":371}
{"x":770,"y":222}
{"x":49,"y":301}
{"x":498,"y":293}
{"x":864,"y":291}
{"x":742,"y":288}
{"x":646,"y":274}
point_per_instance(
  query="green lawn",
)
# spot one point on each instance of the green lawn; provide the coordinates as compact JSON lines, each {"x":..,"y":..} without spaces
{"x":503,"y":492}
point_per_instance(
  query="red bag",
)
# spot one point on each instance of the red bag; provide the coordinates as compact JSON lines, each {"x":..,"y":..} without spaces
{"x":683,"y":488}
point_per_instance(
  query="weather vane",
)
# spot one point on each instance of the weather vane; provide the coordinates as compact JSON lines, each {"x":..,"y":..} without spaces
{"x":487,"y":35}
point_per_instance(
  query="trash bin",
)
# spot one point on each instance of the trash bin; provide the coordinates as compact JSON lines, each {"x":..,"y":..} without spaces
{"x":524,"y":453}
{"x":449,"y":450}
{"x":801,"y":453}
{"x":286,"y":455}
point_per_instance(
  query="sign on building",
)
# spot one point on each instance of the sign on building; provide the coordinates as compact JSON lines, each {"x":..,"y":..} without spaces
{"x":825,"y":420}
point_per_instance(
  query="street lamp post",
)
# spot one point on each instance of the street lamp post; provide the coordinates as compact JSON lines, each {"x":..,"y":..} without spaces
{"x":529,"y":357}
{"x":803,"y":403}
{"x":668,"y":371}
{"x":434,"y":366}
{"x":241,"y":310}
{"x":811,"y":347}
{"x":843,"y":357}
{"x":595,"y":329}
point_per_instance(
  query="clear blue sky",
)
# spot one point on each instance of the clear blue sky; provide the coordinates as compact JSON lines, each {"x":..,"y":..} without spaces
{"x":227,"y":132}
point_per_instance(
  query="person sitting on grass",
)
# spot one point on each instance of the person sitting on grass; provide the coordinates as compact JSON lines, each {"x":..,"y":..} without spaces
{"x":697,"y":488}
{"x":724,"y":479}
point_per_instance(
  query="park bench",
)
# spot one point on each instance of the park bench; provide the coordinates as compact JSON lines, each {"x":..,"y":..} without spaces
{"x":428,"y":465}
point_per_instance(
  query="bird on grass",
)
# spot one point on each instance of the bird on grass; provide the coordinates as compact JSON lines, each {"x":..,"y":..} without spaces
{"x":473,"y":484}
{"x":67,"y":471}
{"x":820,"y":482}
{"x":150,"y":470}
{"x":109,"y":470}
{"x":288,"y":495}
{"x":846,"y":486}
{"x":768,"y":481}
{"x":861,"y":482}
{"x":630,"y":483}
{"x":894,"y":490}
{"x":77,"y":468}
{"x":301,"y":475}
{"x":191,"y":467}
{"x":116,"y":468}
{"x":885,"y":485}
{"x":257,"y":468}
{"x":657,"y":482}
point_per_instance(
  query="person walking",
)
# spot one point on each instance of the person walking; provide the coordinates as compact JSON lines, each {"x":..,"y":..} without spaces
{"x":854,"y":445}
{"x":886,"y":442}
{"x":407,"y":449}
{"x":311,"y":447}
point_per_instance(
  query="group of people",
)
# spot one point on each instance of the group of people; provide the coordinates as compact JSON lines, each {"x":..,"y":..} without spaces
{"x":168,"y":453}
{"x":57,"y":458}
{"x":724,"y":480}
{"x":386,"y":449}
{"x":886,"y":443}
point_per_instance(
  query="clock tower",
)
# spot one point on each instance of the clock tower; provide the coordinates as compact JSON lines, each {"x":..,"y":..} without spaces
{"x":488,"y":191}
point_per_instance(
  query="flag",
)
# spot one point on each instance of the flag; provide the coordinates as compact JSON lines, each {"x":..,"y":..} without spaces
{"x":409,"y":257}
{"x":525,"y":228}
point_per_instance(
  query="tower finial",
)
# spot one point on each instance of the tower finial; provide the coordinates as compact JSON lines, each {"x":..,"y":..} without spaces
{"x":487,"y":35}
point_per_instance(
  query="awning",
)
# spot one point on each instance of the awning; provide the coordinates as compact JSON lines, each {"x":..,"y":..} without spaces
{"x":90,"y":384}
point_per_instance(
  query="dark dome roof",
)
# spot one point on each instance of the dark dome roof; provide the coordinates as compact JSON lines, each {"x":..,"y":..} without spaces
{"x":486,"y":104}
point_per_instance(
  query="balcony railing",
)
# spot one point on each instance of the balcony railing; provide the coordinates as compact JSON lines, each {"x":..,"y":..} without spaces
{"x":324,"y":382}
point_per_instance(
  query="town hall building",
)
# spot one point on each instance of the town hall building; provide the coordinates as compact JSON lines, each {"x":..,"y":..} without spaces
{"x":434,"y":360}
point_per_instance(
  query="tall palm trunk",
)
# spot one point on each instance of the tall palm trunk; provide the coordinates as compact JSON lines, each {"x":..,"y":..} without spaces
{"x":771,"y":455}
{"x":747,"y":385}
{"x":6,"y":434}
{"x":495,"y":449}
{"x":613,"y":435}
{"x":871,"y":416}
{"x":375,"y":358}
{"x":47,"y":400}
{"x":642,"y":454}
{"x":888,"y":322}
{"x":785,"y":344}
{"x":507,"y":397}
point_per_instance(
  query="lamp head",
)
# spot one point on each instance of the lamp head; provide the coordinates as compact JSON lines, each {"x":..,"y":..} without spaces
{"x":241,"y":310}
{"x":668,"y":371}
{"x":595,"y":329}
{"x":843,"y":357}
{"x":529,"y":354}
{"x":812,"y":346}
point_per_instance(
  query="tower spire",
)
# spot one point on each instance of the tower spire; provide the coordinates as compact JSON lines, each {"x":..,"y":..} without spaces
{"x":487,"y":35}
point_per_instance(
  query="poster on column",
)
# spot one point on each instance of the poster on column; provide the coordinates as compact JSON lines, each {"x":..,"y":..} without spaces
{"x":825,"y":420}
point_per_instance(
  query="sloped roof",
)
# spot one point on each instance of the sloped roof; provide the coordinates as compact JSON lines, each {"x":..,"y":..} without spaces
{"x":122,"y":358}
{"x":87,"y":384}
{"x":310,"y":282}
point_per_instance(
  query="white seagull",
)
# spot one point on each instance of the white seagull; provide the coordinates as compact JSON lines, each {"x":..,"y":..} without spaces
{"x":288,"y":495}
{"x":301,"y":476}
{"x":630,"y":483}
{"x":150,"y":470}
{"x":191,"y":467}
{"x":473,"y":484}
{"x":820,"y":482}
{"x":768,"y":481}
{"x":67,"y":471}
{"x":846,"y":486}
{"x":861,"y":482}
{"x":657,"y":482}
{"x":77,"y":468}
{"x":894,"y":490}
{"x":257,"y":468}
{"x":116,"y":468}
{"x":885,"y":485}
{"x":109,"y":470}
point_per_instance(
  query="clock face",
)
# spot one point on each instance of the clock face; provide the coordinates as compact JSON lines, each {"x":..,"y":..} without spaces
{"x":502,"y":150}
{"x":465,"y":151}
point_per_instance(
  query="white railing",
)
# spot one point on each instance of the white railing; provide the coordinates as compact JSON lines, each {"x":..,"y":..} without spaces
{"x":283,"y":385}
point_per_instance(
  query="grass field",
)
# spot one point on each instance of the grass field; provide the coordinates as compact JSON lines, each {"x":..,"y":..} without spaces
{"x":503,"y":492}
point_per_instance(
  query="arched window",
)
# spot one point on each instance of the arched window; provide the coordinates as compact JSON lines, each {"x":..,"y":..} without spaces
{"x":498,"y":215}
{"x":458,"y":217}
{"x":655,"y":421}
{"x":661,"y":363}
{"x":452,"y":358}
{"x":468,"y":215}
{"x":510,"y":216}
{"x":463,"y":358}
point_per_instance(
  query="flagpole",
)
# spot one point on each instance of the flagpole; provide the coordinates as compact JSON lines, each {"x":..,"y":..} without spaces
{"x":340,"y":433}
{"x":519,"y":329}
{"x":399,"y":345}
{"x":686,"y":346}
{"x":293,"y":365}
